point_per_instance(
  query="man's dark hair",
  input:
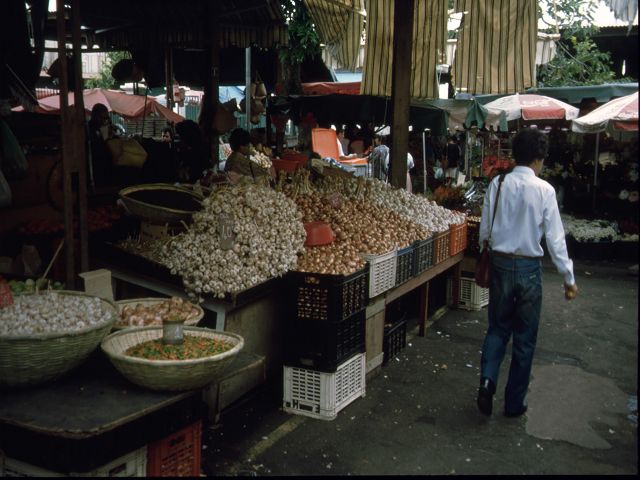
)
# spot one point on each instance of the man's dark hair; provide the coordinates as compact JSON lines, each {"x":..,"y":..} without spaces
{"x":528,"y":145}
{"x":238,"y":138}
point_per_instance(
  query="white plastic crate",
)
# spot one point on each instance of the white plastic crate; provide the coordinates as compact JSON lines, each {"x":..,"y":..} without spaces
{"x":470,"y":295}
{"x":382,"y":271}
{"x":133,"y":464}
{"x":322,"y":395}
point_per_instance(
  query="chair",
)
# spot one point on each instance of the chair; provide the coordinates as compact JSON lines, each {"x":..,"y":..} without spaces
{"x":325,"y":142}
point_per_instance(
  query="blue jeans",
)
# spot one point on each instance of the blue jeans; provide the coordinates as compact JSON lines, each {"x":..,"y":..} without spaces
{"x":515,"y":299}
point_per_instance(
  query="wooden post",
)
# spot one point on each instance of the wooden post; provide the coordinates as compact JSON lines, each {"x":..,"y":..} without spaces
{"x":401,"y":90}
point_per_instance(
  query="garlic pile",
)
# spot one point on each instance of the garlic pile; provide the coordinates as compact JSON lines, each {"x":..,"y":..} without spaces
{"x":268,"y":236}
{"x":51,"y":312}
{"x":414,"y":207}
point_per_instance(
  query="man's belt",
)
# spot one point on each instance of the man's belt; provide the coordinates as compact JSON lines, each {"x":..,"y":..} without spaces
{"x":513,"y":255}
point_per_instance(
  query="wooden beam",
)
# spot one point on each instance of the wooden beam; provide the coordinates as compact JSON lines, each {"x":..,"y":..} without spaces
{"x":401,"y":90}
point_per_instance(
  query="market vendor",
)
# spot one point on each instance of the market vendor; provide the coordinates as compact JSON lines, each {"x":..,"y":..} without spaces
{"x":239,"y":164}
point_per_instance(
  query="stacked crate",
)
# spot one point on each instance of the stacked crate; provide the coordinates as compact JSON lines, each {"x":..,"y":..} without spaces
{"x":325,"y":341}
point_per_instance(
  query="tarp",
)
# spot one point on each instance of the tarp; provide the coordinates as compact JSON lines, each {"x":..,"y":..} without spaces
{"x":128,"y":106}
{"x":343,"y":109}
{"x":575,"y":94}
{"x":620,"y":114}
{"x":533,"y":107}
{"x":463,"y":114}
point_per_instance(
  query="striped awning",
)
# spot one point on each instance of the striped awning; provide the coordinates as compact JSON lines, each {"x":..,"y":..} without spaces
{"x":428,"y":48}
{"x":496,"y":49}
{"x":339,"y":24}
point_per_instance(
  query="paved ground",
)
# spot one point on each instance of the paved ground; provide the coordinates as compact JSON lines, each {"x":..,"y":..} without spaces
{"x":419,"y":414}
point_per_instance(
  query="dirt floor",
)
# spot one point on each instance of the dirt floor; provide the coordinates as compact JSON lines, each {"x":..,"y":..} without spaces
{"x":419,"y":415}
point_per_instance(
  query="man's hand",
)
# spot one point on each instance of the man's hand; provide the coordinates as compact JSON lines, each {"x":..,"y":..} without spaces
{"x":570,"y":291}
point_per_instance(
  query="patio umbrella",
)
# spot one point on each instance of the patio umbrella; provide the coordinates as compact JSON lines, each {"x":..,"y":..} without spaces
{"x":617,"y":115}
{"x":128,"y":106}
{"x":533,"y":107}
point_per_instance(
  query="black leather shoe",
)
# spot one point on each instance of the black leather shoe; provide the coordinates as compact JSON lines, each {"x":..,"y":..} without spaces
{"x":516,"y":413}
{"x":485,"y":396}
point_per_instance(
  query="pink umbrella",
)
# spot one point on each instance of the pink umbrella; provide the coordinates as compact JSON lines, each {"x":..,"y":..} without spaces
{"x":129,"y":106}
{"x":533,"y":107}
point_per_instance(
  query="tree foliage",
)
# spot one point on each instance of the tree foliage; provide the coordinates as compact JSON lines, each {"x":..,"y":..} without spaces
{"x":104,"y":78}
{"x":303,"y":43}
{"x":578,"y":60}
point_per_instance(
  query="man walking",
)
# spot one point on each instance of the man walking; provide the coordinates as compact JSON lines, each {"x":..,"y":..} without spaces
{"x":526,"y":209}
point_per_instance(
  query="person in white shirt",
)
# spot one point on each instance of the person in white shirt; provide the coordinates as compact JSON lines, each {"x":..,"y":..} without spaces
{"x":526,"y":210}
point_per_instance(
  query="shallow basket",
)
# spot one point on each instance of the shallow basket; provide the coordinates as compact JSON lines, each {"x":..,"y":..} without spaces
{"x":173,"y":375}
{"x":29,"y":360}
{"x":120,"y":304}
{"x":157,"y":213}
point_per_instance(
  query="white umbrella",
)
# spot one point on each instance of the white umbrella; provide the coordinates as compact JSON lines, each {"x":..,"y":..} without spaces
{"x":620,"y":114}
{"x":533,"y":107}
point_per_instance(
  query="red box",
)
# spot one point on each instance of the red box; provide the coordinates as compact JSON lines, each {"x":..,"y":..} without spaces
{"x":177,"y":455}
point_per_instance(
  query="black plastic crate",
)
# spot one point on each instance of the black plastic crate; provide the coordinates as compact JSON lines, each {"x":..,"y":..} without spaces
{"x":423,"y":255}
{"x":327,"y":297}
{"x":394,"y":340}
{"x":322,"y":345}
{"x":404,"y":268}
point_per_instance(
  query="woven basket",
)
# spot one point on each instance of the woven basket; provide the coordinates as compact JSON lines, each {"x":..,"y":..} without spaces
{"x":29,"y":360}
{"x":156,"y":213}
{"x":151,"y":301}
{"x":169,"y":374}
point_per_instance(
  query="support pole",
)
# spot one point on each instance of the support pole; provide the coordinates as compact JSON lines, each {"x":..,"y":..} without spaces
{"x":78,"y":133}
{"x":247,"y":91}
{"x":168,"y":75}
{"x":595,"y":171}
{"x":401,"y":90}
{"x":424,"y":163}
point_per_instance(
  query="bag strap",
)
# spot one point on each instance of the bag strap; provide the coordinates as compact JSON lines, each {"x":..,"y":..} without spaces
{"x":495,"y":207}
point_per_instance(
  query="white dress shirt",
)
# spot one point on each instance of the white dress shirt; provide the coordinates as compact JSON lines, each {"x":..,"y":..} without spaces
{"x":527,"y":209}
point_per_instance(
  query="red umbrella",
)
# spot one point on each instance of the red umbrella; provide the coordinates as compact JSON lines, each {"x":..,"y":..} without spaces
{"x":129,"y":106}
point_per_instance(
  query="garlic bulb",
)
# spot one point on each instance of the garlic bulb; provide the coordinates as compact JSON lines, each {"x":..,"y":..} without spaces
{"x":268,"y":236}
{"x":51,"y":312}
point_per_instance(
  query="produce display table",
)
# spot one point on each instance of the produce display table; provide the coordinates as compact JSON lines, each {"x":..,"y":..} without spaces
{"x":88,"y":418}
{"x":375,"y":316}
{"x":255,"y":314}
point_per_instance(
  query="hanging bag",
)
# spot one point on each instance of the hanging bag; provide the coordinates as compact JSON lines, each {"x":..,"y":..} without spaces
{"x":483,"y":267}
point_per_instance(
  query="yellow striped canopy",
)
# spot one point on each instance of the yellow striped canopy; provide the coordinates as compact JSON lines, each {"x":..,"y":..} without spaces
{"x":496,"y":49}
{"x":428,"y":48}
{"x":339,"y":24}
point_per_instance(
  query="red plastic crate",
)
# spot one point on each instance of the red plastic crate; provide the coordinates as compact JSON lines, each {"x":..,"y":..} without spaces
{"x":177,"y":455}
{"x":457,"y":238}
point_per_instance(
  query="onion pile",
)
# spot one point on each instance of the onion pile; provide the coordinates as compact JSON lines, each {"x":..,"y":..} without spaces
{"x":360,"y":227}
{"x":268,"y":236}
{"x":51,"y":312}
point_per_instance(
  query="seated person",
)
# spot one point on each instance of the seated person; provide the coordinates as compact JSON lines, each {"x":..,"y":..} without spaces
{"x":238,"y":163}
